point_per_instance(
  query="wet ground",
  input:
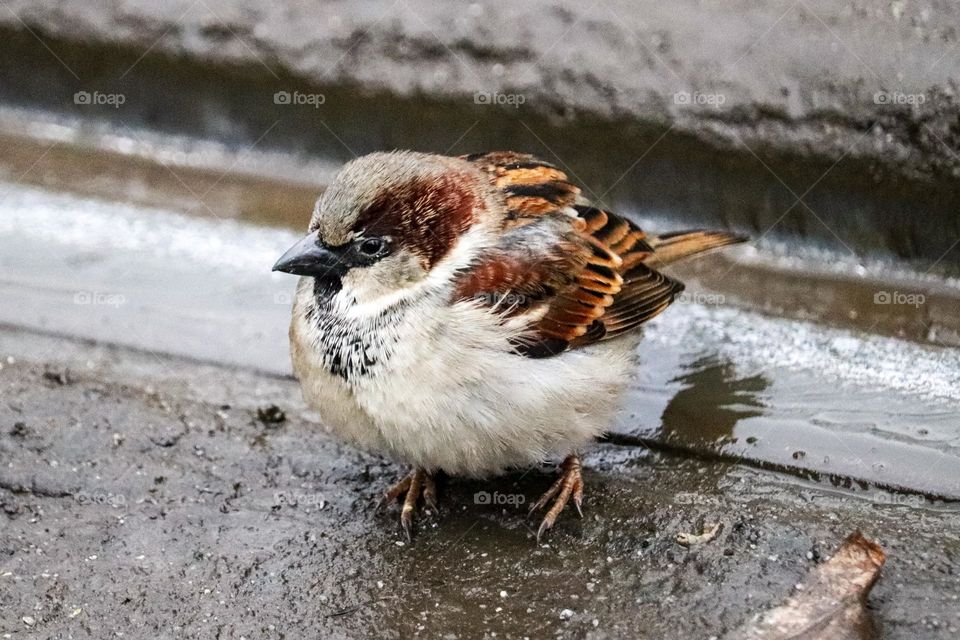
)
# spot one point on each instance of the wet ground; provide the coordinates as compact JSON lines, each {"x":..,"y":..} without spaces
{"x":142,"y":494}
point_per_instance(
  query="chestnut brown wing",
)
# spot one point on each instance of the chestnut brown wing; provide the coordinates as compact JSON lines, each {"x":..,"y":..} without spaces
{"x":551,"y":273}
{"x":581,"y":274}
{"x":531,"y":187}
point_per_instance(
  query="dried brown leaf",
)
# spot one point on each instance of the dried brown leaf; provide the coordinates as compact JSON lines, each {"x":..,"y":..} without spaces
{"x":830,"y":604}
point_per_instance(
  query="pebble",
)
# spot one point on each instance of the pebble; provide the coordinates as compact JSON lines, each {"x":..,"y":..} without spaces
{"x":29,"y":620}
{"x":566,"y":614}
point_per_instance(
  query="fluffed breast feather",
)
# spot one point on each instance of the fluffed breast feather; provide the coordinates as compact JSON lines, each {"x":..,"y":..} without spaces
{"x":578,"y":273}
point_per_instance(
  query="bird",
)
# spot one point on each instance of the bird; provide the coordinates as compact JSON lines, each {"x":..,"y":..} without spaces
{"x":473,"y":314}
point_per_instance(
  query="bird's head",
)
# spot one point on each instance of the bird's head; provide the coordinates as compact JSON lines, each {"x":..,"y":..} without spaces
{"x":388,"y":221}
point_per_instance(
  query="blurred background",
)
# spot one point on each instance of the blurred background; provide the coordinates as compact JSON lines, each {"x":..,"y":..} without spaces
{"x":158,"y":157}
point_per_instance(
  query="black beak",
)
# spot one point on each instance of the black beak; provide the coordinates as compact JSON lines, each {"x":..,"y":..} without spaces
{"x":309,"y":257}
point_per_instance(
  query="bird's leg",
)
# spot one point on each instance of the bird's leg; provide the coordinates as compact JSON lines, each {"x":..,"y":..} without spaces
{"x":415,"y":484}
{"x":569,"y":484}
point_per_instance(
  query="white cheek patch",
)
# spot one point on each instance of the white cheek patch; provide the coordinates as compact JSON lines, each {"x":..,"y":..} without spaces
{"x":364,"y":286}
{"x":371,"y":290}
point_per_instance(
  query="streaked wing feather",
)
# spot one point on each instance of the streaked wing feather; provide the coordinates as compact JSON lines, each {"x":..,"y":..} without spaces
{"x":670,"y":247}
{"x":585,"y":273}
{"x":648,"y":293}
{"x":532,"y":188}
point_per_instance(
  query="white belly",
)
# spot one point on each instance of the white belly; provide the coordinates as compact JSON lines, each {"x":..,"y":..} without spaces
{"x":453,"y":397}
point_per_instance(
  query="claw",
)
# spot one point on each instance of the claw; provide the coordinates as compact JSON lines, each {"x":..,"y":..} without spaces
{"x":406,"y":521}
{"x":394,"y":492}
{"x":544,"y":526}
{"x":418,"y":482}
{"x":546,"y":497}
{"x":570,"y":483}
{"x":410,"y":502}
{"x":430,"y":492}
{"x":578,"y":496}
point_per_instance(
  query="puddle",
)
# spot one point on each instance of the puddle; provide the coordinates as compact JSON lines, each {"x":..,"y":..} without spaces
{"x":793,"y":396}
{"x":122,"y":164}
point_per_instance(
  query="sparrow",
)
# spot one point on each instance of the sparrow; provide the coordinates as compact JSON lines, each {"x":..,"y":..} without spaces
{"x":471,"y":315}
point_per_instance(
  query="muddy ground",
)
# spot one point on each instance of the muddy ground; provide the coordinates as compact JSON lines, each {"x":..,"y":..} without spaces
{"x":142,"y":495}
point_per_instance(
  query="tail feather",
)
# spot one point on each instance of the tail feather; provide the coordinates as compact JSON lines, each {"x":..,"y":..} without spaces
{"x":671,"y":247}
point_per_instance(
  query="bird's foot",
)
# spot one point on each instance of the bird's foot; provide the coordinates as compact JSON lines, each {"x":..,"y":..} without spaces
{"x":569,"y":484}
{"x":416,"y":484}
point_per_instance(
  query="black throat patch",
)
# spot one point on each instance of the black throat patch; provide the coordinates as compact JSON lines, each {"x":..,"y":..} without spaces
{"x":353,"y":348}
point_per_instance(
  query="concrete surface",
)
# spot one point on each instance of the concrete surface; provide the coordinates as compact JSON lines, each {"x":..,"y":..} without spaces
{"x":802,"y":74}
{"x":141,"y":496}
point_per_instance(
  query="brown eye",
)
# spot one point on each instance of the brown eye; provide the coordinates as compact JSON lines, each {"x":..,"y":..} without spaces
{"x":372,"y":246}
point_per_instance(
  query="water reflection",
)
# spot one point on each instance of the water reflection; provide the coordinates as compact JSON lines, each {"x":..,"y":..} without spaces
{"x":711,"y":401}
